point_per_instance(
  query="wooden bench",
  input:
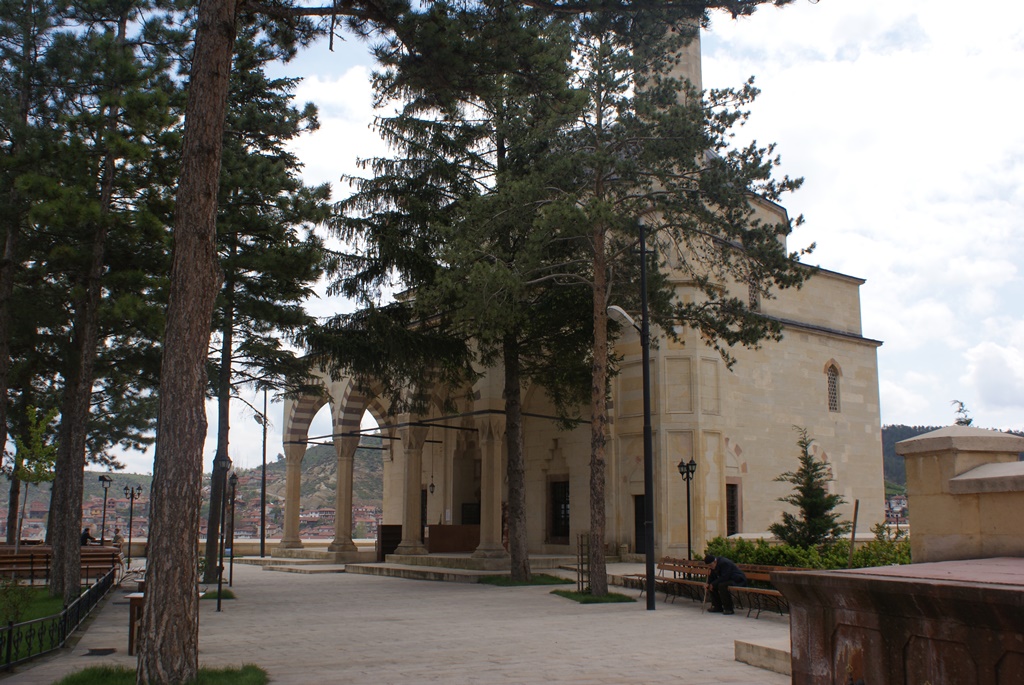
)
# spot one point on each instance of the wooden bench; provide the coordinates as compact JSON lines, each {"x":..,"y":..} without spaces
{"x":760,"y":594}
{"x":676,"y":577}
{"x":685,"y":577}
{"x":34,"y":564}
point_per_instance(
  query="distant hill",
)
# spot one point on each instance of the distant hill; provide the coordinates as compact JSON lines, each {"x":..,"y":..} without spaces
{"x":893,"y":465}
{"x":320,"y":477}
{"x":319,"y":480}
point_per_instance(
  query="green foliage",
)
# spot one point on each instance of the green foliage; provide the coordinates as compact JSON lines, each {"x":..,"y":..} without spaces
{"x":88,"y":103}
{"x":223,"y":594}
{"x":895,"y":488}
{"x":535,"y":579}
{"x":587,"y":598}
{"x":265,"y":226}
{"x":886,"y":549}
{"x":36,"y":451}
{"x":122,"y":675}
{"x":14,"y":600}
{"x":817,"y":522}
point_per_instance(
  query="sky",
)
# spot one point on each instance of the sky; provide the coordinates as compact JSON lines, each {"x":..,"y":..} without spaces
{"x":900,"y":118}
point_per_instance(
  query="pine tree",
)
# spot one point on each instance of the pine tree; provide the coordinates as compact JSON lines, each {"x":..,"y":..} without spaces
{"x":646,"y":147}
{"x":113,"y":106}
{"x":270,"y":256}
{"x":817,"y":521}
{"x":171,"y":653}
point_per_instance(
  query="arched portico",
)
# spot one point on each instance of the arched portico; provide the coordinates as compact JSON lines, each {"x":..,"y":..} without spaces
{"x":468,"y":471}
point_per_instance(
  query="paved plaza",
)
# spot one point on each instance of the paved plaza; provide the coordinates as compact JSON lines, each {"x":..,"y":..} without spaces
{"x":348,"y":628}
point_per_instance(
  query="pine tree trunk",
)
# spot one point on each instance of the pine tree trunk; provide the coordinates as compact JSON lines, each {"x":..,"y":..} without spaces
{"x":222,"y":460}
{"x":599,"y":419}
{"x":516,"y":466}
{"x":169,"y":646}
{"x":76,"y":403}
{"x":66,"y":517}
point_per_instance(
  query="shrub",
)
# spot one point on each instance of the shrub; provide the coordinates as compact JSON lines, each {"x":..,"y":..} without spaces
{"x":817,"y":522}
{"x":884,"y":550}
{"x":14,"y":600}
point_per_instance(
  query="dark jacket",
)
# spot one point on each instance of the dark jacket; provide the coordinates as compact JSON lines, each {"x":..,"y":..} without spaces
{"x":726,"y":571}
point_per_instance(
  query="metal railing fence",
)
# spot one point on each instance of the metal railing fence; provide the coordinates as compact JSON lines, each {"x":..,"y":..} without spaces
{"x":20,"y":642}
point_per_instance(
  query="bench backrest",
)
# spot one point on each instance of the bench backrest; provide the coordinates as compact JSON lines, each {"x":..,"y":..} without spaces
{"x":682,"y":566}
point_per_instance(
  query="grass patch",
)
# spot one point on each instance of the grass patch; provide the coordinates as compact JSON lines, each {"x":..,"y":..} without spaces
{"x":224,"y":594}
{"x":41,"y":604}
{"x":121,"y":675}
{"x":535,"y":579}
{"x":21,"y":603}
{"x":587,"y":598}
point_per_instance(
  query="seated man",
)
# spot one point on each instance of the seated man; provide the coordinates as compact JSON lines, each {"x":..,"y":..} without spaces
{"x":87,"y":537}
{"x":724,"y":574}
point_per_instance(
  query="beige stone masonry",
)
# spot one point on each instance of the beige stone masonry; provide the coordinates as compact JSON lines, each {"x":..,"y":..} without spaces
{"x":965,"y":490}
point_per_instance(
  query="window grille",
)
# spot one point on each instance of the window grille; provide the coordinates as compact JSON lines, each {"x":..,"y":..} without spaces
{"x":833,"y":388}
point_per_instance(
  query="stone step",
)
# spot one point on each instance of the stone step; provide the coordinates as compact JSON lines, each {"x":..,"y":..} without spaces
{"x":307,"y":568}
{"x":302,"y":553}
{"x":419,"y":572}
{"x":771,"y":655}
{"x":468,"y":562}
{"x":271,"y":561}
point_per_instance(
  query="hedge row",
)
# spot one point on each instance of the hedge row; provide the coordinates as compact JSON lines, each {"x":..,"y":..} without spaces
{"x":884,"y":550}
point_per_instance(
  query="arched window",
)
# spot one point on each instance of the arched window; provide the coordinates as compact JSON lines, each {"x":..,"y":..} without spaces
{"x":832,"y":373}
{"x":753,"y":297}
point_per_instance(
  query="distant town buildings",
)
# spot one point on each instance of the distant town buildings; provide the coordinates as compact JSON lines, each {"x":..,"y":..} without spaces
{"x":316,"y":523}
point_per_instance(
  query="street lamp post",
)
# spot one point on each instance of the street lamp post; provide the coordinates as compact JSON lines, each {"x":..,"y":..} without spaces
{"x":233,"y":481}
{"x":132,"y":493}
{"x":220,"y":540}
{"x":645,"y":346}
{"x":686,"y":470}
{"x":262,"y":420}
{"x":105,"y":481}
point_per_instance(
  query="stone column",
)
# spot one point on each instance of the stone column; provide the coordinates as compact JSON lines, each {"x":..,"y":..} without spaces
{"x":492,"y":434}
{"x":412,"y":448}
{"x":292,"y":495}
{"x":346,"y":449}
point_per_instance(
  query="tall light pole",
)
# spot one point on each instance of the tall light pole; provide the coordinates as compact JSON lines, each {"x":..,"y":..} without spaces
{"x":233,"y":481}
{"x":262,"y":420}
{"x":105,"y":481}
{"x":132,"y":493}
{"x":687,"y":470}
{"x":645,"y":346}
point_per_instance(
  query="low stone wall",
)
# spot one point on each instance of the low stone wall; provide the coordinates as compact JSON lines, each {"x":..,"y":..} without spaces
{"x":247,"y":547}
{"x":950,"y":622}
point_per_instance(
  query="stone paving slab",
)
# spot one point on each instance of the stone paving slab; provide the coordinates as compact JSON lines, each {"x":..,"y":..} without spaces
{"x":357,"y":629}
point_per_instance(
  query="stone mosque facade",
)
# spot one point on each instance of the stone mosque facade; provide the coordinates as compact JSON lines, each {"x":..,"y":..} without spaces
{"x":444,"y":472}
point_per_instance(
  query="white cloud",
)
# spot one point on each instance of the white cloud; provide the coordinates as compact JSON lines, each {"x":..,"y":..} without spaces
{"x":903,"y":119}
{"x":997,"y":374}
{"x":345,"y":135}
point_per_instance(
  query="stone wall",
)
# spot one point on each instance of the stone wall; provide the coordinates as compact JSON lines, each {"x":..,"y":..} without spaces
{"x":965,"y":492}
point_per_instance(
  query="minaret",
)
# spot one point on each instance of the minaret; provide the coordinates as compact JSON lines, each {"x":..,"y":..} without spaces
{"x":689,"y":58}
